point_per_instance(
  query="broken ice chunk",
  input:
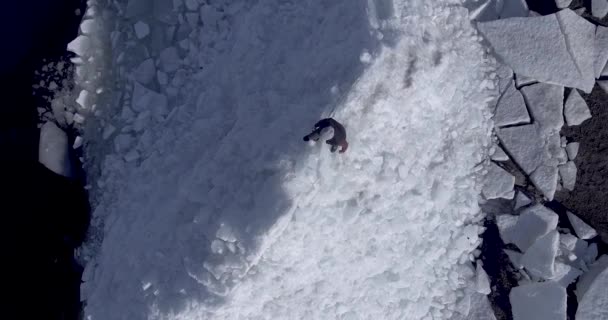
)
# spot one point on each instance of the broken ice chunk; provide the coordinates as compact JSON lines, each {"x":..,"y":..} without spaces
{"x":563,"y":3}
{"x":144,"y":98}
{"x":575,"y":109}
{"x":511,"y":108}
{"x":169,"y":59}
{"x":533,"y":223}
{"x":567,"y":241}
{"x":526,"y":52}
{"x":568,"y":173}
{"x":77,"y":142}
{"x":145,"y":72}
{"x":582,"y":230}
{"x":580,"y":40}
{"x":521,"y":200}
{"x":499,"y":155}
{"x":53,"y":150}
{"x":524,"y":144}
{"x":572,"y":150}
{"x":565,"y":274}
{"x":515,"y":258}
{"x":506,"y":227}
{"x":514,"y":8}
{"x":590,"y":254}
{"x":591,"y":292}
{"x":599,"y":8}
{"x":521,"y":80}
{"x":539,"y":259}
{"x":603,"y":84}
{"x":483,"y":11}
{"x":142,"y":29}
{"x":545,"y":102}
{"x":80,"y":46}
{"x":601,"y":50}
{"x":498,"y":182}
{"x":482,"y":282}
{"x":539,"y":301}
{"x":544,"y":179}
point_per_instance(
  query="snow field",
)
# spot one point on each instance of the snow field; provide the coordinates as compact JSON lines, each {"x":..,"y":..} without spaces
{"x":211,"y":206}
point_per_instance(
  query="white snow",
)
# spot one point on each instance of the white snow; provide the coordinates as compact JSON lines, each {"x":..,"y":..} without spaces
{"x":526,"y":52}
{"x":582,"y":229}
{"x":572,"y":150}
{"x":511,"y":108}
{"x":599,"y":8}
{"x":563,"y":3}
{"x":142,"y":29}
{"x":521,"y":200}
{"x":498,"y":183}
{"x":591,"y":292}
{"x":524,"y":144}
{"x":482,"y":282}
{"x":601,"y":50}
{"x":539,"y":259}
{"x":304,"y":233}
{"x":539,"y":301}
{"x":575,"y":109}
{"x":546,"y":103}
{"x":568,"y":174}
{"x":545,"y":179}
{"x":53,"y":150}
{"x":533,"y":223}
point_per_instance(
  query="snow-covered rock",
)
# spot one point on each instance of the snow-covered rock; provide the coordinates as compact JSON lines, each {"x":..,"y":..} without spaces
{"x":545,"y":179}
{"x":526,"y":52}
{"x":591,"y":292}
{"x":521,"y":200}
{"x":482,"y":282}
{"x":533,"y":223}
{"x":524,"y":144}
{"x":499,"y":154}
{"x":575,"y":109}
{"x":514,"y":8}
{"x":572,"y":150}
{"x":539,"y":301}
{"x":580,"y":40}
{"x":567,"y":172}
{"x":599,"y":8}
{"x":561,"y":4}
{"x":582,"y":230}
{"x":511,"y":108}
{"x":539,"y":259}
{"x":545,"y":102}
{"x":53,"y":150}
{"x":498,"y":183}
{"x":601,"y":50}
{"x":142,"y":29}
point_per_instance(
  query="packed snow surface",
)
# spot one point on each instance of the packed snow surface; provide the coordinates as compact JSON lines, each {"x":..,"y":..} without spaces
{"x":211,"y":205}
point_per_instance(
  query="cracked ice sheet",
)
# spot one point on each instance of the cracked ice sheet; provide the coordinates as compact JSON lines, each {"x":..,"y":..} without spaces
{"x":545,"y":179}
{"x":546,"y":103}
{"x":498,"y":183}
{"x":224,"y":218}
{"x":511,"y":108}
{"x":576,"y":110}
{"x":526,"y":52}
{"x":524,"y":145}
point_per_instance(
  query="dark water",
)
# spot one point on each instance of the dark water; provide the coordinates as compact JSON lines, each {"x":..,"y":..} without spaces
{"x":44,"y":216}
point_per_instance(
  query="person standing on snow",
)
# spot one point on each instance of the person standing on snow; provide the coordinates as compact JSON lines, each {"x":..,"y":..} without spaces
{"x":339,"y":138}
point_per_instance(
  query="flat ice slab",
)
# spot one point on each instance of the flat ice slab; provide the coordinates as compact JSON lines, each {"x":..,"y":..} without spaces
{"x":593,"y":301}
{"x":599,"y":8}
{"x":582,"y":230}
{"x":546,"y":102}
{"x":539,"y":259}
{"x":482,"y":282}
{"x":514,"y":8}
{"x":568,"y":173}
{"x":499,"y":154}
{"x":601,"y":50}
{"x":511,"y":108}
{"x":575,"y":109}
{"x":572,"y":150}
{"x":506,"y":227}
{"x":521,"y":200}
{"x":526,"y":52}
{"x":539,"y":301}
{"x":53,"y":149}
{"x":498,"y":182}
{"x":563,"y":3}
{"x":524,"y":144}
{"x":533,"y":223}
{"x":545,"y":180}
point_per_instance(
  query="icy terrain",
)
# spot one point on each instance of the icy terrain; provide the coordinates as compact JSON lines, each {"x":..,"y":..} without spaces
{"x":208,"y":204}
